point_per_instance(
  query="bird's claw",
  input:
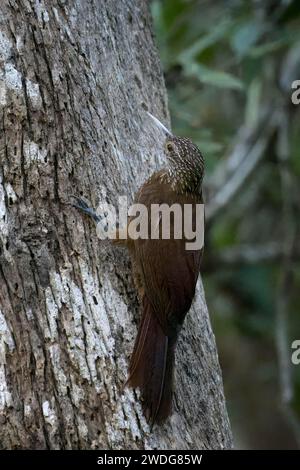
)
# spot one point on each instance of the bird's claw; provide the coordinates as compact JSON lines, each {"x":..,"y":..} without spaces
{"x":83,"y":206}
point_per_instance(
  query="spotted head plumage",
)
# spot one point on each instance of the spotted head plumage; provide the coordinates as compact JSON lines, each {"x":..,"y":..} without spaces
{"x":185,"y":163}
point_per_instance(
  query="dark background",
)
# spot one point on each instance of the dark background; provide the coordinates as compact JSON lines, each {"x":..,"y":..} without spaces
{"x":229,"y":68}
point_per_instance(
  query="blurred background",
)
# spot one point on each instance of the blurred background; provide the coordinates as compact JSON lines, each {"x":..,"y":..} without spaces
{"x":229,"y":68}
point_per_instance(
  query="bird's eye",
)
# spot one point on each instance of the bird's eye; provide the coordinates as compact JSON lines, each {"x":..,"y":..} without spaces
{"x":169,"y":147}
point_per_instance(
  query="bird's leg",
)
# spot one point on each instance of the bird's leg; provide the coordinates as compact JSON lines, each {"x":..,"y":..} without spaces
{"x":116,"y":235}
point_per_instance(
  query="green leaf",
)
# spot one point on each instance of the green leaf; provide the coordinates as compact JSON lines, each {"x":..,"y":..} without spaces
{"x":204,"y":42}
{"x":214,"y":77}
{"x":246,"y":36}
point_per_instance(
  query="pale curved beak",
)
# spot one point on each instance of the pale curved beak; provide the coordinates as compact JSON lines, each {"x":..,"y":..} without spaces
{"x":159,"y":124}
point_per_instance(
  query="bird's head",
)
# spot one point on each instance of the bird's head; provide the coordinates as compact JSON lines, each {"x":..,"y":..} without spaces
{"x":185,"y":161}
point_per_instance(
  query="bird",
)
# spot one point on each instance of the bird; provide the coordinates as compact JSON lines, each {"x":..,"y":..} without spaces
{"x":165,"y":272}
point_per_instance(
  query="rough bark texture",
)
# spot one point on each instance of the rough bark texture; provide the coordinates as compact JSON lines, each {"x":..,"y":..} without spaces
{"x":75,"y":78}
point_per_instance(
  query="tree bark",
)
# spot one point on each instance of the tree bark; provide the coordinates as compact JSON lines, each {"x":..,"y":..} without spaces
{"x":75,"y":79}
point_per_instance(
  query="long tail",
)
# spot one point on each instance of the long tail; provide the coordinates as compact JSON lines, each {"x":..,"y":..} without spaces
{"x":151,"y":367}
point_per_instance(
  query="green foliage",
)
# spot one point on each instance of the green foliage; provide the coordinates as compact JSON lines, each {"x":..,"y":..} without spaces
{"x":223,"y":64}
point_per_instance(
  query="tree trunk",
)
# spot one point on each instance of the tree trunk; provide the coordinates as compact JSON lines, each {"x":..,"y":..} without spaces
{"x":75,"y":78}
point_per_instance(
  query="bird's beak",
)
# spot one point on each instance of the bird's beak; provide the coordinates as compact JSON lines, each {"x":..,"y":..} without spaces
{"x":159,"y":124}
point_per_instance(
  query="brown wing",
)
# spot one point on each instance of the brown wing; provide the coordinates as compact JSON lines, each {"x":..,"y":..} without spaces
{"x":168,"y":271}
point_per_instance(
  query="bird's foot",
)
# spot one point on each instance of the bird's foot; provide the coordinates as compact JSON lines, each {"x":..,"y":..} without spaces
{"x":82,"y":206}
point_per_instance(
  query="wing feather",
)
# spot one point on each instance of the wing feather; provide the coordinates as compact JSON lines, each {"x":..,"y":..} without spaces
{"x":169,"y":272}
